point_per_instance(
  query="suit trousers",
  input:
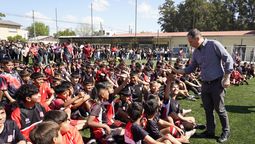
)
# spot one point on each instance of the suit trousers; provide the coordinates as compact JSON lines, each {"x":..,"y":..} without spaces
{"x":213,"y":99}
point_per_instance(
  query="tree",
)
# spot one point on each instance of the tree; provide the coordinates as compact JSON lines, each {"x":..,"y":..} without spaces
{"x":83,"y":30}
{"x":207,"y":15}
{"x":40,"y":29}
{"x":16,"y":38}
{"x":246,"y":14}
{"x":168,"y":14}
{"x":1,"y":15}
{"x":66,"y":32}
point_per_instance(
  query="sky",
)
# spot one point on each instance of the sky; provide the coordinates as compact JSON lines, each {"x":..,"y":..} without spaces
{"x":116,"y":16}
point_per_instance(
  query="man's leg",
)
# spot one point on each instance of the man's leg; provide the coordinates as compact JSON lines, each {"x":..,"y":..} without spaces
{"x":219,"y":106}
{"x":208,"y":107}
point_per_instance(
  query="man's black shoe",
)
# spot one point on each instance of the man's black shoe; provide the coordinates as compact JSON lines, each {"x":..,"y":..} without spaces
{"x":224,"y":137}
{"x":206,"y":134}
{"x":200,"y":127}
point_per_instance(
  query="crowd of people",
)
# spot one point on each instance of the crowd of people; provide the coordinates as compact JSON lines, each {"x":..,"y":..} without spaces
{"x":68,"y":88}
{"x":44,"y":53}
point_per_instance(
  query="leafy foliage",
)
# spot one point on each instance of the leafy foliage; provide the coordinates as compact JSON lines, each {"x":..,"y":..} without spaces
{"x":40,"y":29}
{"x":16,"y":38}
{"x":2,"y":15}
{"x":66,"y":32}
{"x":207,"y":15}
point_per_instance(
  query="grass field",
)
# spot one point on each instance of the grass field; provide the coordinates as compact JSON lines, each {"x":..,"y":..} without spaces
{"x":240,"y":104}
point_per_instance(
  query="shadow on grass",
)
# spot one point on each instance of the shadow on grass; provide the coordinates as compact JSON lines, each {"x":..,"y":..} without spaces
{"x":240,"y":109}
{"x":200,"y":136}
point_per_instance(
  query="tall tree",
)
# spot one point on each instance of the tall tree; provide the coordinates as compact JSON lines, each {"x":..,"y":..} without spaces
{"x":246,"y":14}
{"x":83,"y":30}
{"x":168,"y":16}
{"x":207,"y":15}
{"x":40,"y":29}
{"x":66,"y":32}
{"x":2,"y":15}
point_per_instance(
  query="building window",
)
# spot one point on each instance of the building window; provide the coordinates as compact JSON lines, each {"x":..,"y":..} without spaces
{"x":239,"y":51}
{"x":183,"y":45}
{"x":11,"y":30}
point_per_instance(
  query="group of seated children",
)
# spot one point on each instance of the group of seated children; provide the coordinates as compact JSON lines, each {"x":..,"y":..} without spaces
{"x":128,"y":106}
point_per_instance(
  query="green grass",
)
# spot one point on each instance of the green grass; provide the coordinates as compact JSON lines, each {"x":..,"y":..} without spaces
{"x":239,"y":102}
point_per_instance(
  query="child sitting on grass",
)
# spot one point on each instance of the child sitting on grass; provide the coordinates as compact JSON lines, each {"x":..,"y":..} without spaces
{"x":29,"y":112}
{"x":9,"y":131}
{"x":70,"y":133}
{"x":134,"y":132}
{"x":154,"y":123}
{"x":46,"y":133}
{"x":98,"y":117}
{"x":65,"y":102}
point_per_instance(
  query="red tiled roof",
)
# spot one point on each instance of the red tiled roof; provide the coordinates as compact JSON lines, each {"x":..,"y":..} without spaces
{"x":182,"y":34}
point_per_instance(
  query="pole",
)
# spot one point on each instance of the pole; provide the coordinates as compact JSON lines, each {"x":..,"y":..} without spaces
{"x":157,"y":38}
{"x":34,"y":23}
{"x":92,"y":18}
{"x":135,"y":21}
{"x":56,"y":15}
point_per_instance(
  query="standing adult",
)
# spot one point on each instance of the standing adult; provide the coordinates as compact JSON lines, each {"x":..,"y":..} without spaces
{"x":216,"y":65}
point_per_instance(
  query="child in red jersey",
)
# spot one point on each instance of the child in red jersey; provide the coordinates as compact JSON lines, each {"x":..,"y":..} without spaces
{"x":11,"y":80}
{"x":30,"y":112}
{"x":9,"y":131}
{"x":46,"y":133}
{"x":47,"y":93}
{"x":70,"y":134}
{"x":134,"y":132}
{"x":97,"y":120}
{"x":65,"y":102}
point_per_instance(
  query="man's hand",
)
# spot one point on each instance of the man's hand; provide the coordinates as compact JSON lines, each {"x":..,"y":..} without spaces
{"x":179,"y":71}
{"x":107,"y":129}
{"x":226,"y":81}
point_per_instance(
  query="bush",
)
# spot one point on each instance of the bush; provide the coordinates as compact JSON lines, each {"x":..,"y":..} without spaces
{"x":16,"y":38}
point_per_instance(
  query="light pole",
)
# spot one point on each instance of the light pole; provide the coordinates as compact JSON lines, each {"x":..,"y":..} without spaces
{"x":135,"y":21}
{"x":34,"y":24}
{"x":92,"y":18}
{"x":56,"y":16}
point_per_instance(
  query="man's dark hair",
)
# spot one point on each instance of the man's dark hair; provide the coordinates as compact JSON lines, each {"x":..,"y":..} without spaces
{"x":75,"y":75}
{"x":57,"y":116}
{"x":135,"y":111}
{"x":2,"y":107}
{"x":36,"y":75}
{"x":44,"y":133}
{"x":193,"y":33}
{"x":24,"y":73}
{"x":88,"y":81}
{"x":97,"y":88}
{"x":62,"y":87}
{"x":26,"y":90}
{"x":152,"y":97}
{"x":150,"y":107}
{"x":6,"y":60}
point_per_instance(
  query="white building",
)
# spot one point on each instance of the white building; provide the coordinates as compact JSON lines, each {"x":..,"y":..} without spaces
{"x":10,"y":28}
